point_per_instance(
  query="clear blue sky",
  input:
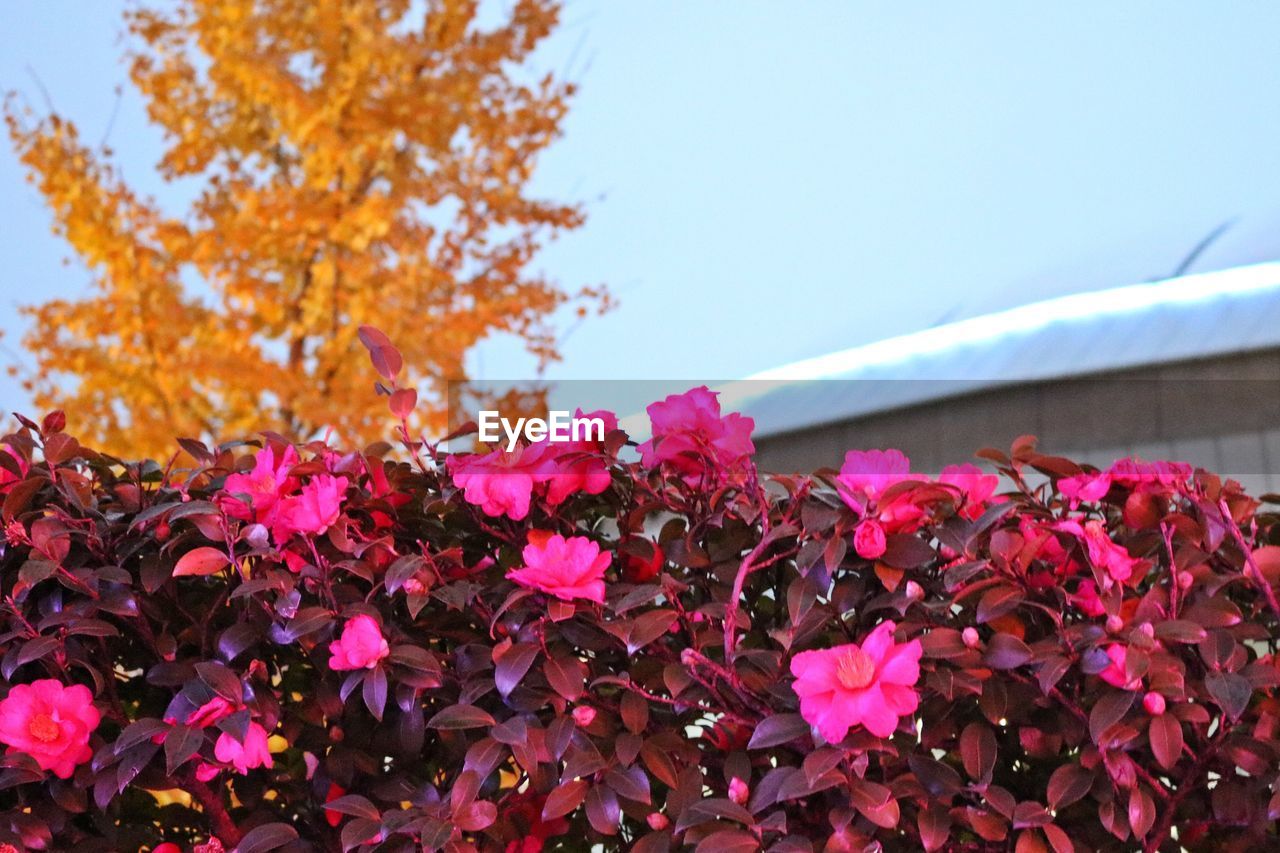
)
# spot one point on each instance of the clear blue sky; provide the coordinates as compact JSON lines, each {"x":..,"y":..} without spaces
{"x":773,"y":180}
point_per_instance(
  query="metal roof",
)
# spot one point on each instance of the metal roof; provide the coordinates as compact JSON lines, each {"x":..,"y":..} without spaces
{"x":1188,"y":317}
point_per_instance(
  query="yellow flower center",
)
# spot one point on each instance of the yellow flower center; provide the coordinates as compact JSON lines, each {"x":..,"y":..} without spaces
{"x":44,"y":728}
{"x":856,"y":669}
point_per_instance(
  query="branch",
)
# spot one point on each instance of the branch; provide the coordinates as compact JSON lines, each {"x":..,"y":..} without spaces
{"x":1250,"y":563}
{"x":220,"y":821}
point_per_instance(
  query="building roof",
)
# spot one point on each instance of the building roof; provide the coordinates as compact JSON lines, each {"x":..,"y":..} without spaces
{"x":1189,"y":317}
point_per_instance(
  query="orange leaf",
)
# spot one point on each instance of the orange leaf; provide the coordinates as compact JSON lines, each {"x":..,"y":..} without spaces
{"x":201,"y":561}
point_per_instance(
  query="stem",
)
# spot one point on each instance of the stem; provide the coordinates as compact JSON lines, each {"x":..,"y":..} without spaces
{"x":1185,"y":786}
{"x":220,"y":821}
{"x":1250,"y":563}
{"x":740,"y":579}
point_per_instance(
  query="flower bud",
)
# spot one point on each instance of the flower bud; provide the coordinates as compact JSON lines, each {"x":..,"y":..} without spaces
{"x":584,"y":715}
{"x":869,"y":540}
{"x":1185,"y":580}
{"x":1114,"y":624}
{"x":971,"y":638}
{"x":657,"y":821}
{"x":914,"y":591}
{"x":738,"y":791}
{"x":1154,"y":703}
{"x":413,"y":586}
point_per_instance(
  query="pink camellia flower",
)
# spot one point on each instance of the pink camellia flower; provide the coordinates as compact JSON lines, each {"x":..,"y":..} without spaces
{"x":1115,"y":674}
{"x":566,"y":568}
{"x":265,"y":485}
{"x":51,"y":723}
{"x":569,"y":471}
{"x":1046,"y":547}
{"x":244,"y":756}
{"x":314,"y":510}
{"x":693,"y":438}
{"x":871,"y":685}
{"x":1107,"y":555}
{"x":869,"y":539}
{"x":361,"y":645}
{"x":1087,"y":599}
{"x":1085,"y":487}
{"x":867,"y":474}
{"x":210,"y":713}
{"x":500,"y":483}
{"x":7,"y":477}
{"x":1150,"y":476}
{"x":976,"y":487}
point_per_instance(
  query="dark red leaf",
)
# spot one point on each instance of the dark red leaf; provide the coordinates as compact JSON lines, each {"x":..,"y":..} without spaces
{"x":1165,"y":734}
{"x":460,"y":717}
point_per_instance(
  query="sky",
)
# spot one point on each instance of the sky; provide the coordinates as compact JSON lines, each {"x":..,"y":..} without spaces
{"x":770,"y":181}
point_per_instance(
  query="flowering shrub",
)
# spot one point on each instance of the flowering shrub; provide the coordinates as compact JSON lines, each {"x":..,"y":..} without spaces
{"x":560,"y":647}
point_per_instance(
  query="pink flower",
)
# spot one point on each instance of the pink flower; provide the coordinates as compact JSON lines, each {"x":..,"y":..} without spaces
{"x":975,"y":487}
{"x":1107,"y":555}
{"x":312,"y":511}
{"x":1150,"y":476}
{"x":1047,"y":547}
{"x":264,"y":485}
{"x":51,"y":723}
{"x":1115,"y":673}
{"x":361,"y":645}
{"x":500,"y":483}
{"x":1153,"y":703}
{"x":1087,"y":599}
{"x":210,"y":712}
{"x":244,"y":756}
{"x":566,"y":568}
{"x":691,"y":437}
{"x":869,"y":539}
{"x":7,"y":477}
{"x":871,"y":685}
{"x":867,"y":474}
{"x":570,"y":471}
{"x":738,"y":791}
{"x":1085,"y":487}
{"x":584,"y":715}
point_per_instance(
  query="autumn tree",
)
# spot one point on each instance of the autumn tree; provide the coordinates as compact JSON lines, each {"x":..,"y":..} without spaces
{"x":356,"y":161}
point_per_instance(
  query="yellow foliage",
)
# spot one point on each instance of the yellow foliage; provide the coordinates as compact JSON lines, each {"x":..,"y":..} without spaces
{"x":357,"y":161}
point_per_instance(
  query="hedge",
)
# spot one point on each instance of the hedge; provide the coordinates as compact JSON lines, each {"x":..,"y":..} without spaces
{"x":598,"y":645}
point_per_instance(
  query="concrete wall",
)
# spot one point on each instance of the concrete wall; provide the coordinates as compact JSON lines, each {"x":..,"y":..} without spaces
{"x":1222,"y":414}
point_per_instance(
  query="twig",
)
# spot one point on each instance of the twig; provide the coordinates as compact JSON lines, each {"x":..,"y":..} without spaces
{"x":1250,"y":563}
{"x":220,"y":821}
